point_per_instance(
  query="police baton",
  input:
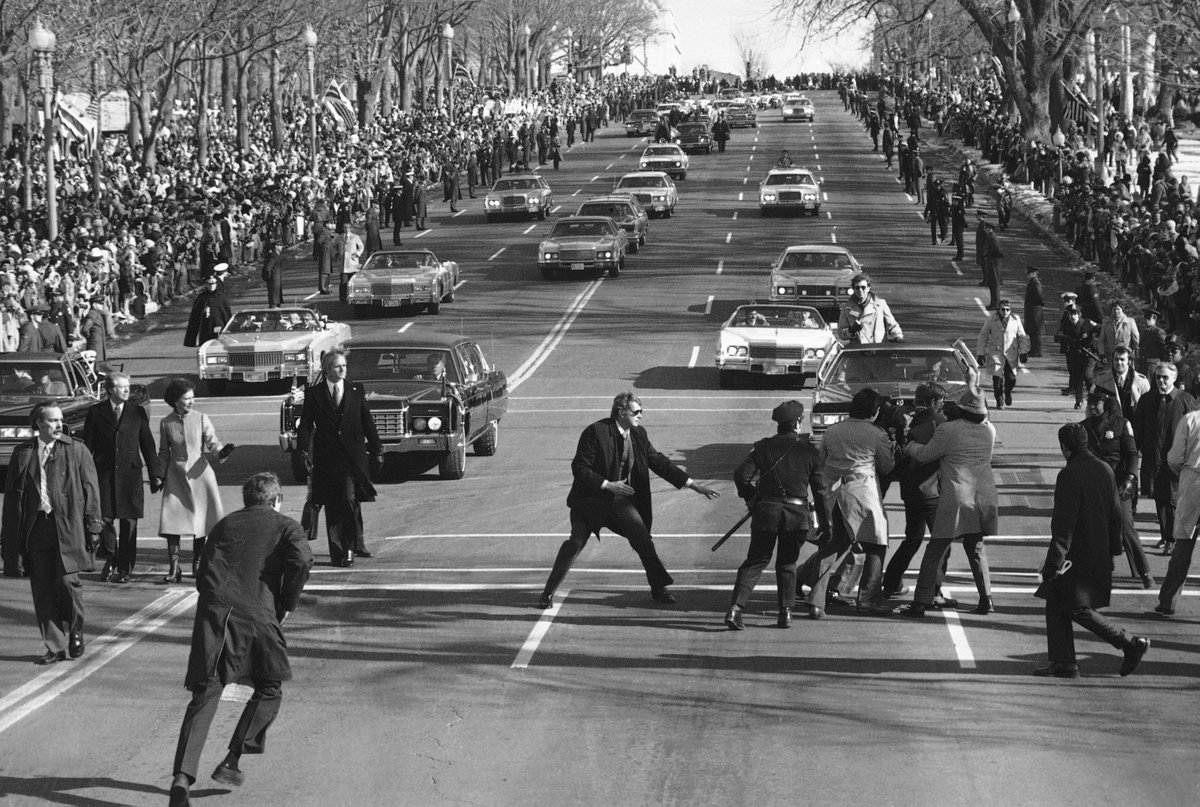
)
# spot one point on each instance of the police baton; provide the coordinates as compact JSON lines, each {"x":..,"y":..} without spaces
{"x":732,"y":530}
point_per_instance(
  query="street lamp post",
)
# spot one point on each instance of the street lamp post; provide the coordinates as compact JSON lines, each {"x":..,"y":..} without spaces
{"x":1059,"y":139}
{"x":43,"y":42}
{"x":448,"y":35}
{"x":929,"y":48}
{"x":310,"y":47}
{"x":1014,"y":19}
{"x":528,"y":71}
{"x":570,"y":55}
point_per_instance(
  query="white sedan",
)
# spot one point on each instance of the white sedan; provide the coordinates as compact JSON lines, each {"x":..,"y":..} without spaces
{"x":784,"y":341}
{"x":666,"y":157}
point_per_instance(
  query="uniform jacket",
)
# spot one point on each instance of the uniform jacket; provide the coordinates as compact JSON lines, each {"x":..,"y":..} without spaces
{"x":253,"y":569}
{"x":1086,"y":530}
{"x":94,"y":330}
{"x":1110,"y":437}
{"x":856,"y":455}
{"x":1184,"y":460}
{"x":42,"y":337}
{"x":876,"y":320}
{"x":201,"y":328}
{"x":598,"y":459}
{"x":987,"y":249}
{"x":74,"y":498}
{"x":968,"y":502}
{"x":121,"y":451}
{"x":1001,"y":340}
{"x":1034,"y":297}
{"x":338,"y":440}
{"x":784,"y":465}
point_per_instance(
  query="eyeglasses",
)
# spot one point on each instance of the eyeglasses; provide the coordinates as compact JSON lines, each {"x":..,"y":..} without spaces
{"x":1162,"y":378}
{"x":1006,"y":308}
{"x":633,"y":412}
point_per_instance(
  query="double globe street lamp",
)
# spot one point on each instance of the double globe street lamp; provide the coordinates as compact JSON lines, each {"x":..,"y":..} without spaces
{"x":43,"y":42}
{"x":309,"y":37}
{"x":448,"y":36}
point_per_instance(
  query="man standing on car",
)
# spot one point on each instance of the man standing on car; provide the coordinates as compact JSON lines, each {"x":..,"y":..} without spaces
{"x":866,"y":319}
{"x":612,"y":489}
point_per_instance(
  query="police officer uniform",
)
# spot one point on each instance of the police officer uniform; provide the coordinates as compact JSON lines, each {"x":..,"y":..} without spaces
{"x":786,"y":467}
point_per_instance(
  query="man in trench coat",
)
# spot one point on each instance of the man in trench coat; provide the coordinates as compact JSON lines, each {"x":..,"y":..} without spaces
{"x":117,"y":433}
{"x":253,"y":569}
{"x":1085,"y":535}
{"x":335,"y":436}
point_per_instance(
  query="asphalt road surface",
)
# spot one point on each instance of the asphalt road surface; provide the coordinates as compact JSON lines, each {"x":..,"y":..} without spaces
{"x":426,"y":676}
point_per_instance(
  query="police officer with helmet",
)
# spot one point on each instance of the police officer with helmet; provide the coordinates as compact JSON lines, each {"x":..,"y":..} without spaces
{"x":786,"y":467}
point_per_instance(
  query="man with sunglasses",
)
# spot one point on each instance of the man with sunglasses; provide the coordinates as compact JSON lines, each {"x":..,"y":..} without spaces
{"x":1154,"y":423}
{"x":867,"y":319}
{"x":612,"y":489}
{"x":1003,"y":346}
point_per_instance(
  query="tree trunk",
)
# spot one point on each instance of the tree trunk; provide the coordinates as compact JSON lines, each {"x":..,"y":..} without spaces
{"x":242,"y":80}
{"x":202,"y":106}
{"x":387,"y":83}
{"x":277,"y":133}
{"x":1150,"y":85}
{"x":227,"y":89}
{"x":5,"y":123}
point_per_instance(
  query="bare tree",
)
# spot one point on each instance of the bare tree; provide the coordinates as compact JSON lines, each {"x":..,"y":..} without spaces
{"x":750,"y":52}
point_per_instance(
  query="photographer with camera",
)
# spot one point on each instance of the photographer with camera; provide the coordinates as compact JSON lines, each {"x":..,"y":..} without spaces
{"x":866,"y":319}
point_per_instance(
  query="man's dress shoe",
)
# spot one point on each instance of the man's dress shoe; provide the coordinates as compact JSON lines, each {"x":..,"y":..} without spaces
{"x":75,"y":644}
{"x":228,"y":774}
{"x":120,"y":578}
{"x":364,"y":554}
{"x":546,"y":600}
{"x":1133,"y":655}
{"x":1057,"y":669}
{"x":785,"y":618}
{"x":661,"y":594}
{"x":50,"y":658}
{"x":733,"y":619}
{"x":179,"y":797}
{"x":815,"y":612}
{"x":106,"y":573}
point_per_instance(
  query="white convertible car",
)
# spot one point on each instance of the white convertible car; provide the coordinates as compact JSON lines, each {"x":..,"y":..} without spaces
{"x":788,"y":341}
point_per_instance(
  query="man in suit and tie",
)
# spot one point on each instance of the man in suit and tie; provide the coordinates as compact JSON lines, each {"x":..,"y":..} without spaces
{"x":612,"y":489}
{"x":51,"y":515}
{"x":335,"y":437}
{"x":1123,"y":381}
{"x":40,"y":336}
{"x":118,"y":435}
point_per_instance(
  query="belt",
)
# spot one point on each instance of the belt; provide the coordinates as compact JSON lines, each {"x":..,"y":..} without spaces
{"x":785,"y":500}
{"x":44,"y":514}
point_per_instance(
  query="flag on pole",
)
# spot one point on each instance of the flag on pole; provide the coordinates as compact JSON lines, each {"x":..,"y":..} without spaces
{"x":339,"y":106}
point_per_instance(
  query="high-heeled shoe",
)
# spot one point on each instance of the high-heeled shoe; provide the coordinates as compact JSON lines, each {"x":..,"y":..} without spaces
{"x":174,"y":573}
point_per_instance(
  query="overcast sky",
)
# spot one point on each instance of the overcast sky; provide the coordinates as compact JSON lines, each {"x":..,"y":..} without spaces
{"x":706,"y":36}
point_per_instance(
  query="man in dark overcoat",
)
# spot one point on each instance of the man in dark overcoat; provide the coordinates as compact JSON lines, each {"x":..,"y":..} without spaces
{"x":118,"y":434}
{"x":50,"y":519}
{"x":253,"y":570}
{"x":39,"y":335}
{"x":272,"y":274}
{"x":335,"y":437}
{"x":1085,"y":535}
{"x":1035,"y":309}
{"x":210,"y":312}
{"x":611,"y":488}
{"x":988,"y":255}
{"x":1154,"y":422}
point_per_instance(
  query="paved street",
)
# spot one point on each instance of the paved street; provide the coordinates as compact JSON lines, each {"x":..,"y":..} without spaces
{"x":427,"y":676}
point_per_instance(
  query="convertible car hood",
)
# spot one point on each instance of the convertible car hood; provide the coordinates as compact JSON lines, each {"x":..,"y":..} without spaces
{"x":786,"y":337}
{"x":385,"y":275}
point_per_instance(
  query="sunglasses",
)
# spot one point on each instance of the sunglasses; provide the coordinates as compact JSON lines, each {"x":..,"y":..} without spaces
{"x":1162,"y":378}
{"x":634,"y":412}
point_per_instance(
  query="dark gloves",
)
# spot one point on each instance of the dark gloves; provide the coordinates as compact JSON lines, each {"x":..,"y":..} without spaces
{"x":225,"y":451}
{"x":1126,"y":487}
{"x":378,"y":460}
{"x":1024,"y":358}
{"x":982,"y":359}
{"x":156,"y":484}
{"x":854,"y":328}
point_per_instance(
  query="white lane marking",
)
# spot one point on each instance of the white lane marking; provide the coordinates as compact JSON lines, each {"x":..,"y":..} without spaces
{"x":741,"y":195}
{"x":593,"y":179}
{"x":751,"y":157}
{"x":458,"y":213}
{"x":817,"y":157}
{"x":30,"y":697}
{"x":813,"y":136}
{"x":426,"y":231}
{"x":695,"y":356}
{"x":556,"y":208}
{"x":745,"y":179}
{"x":822,"y":180}
{"x":539,"y":631}
{"x":608,"y":167}
{"x":735,"y":215}
{"x":529,"y":229}
{"x":825,"y":196}
{"x":708,"y":305}
{"x":497,"y":253}
{"x":720,"y":266}
{"x":895,"y":178}
{"x":555,"y":336}
{"x":754,"y":148}
{"x":908,"y":196}
{"x":636,"y":573}
{"x":962,"y":648}
{"x":818,"y":164}
{"x":833,"y":237}
{"x":577,"y":190}
{"x":620,"y":157}
{"x":728,"y":237}
{"x":828,"y":214}
{"x":309,"y":297}
{"x":955,"y":265}
{"x":401,"y":329}
{"x":921,"y":216}
{"x":979,"y":303}
{"x":756,"y":138}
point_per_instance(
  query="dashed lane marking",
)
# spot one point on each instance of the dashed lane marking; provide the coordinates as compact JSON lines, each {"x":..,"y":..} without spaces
{"x":459,"y":284}
{"x":608,"y":167}
{"x":828,"y":214}
{"x":458,"y":213}
{"x":735,"y":215}
{"x":577,"y":190}
{"x":497,"y":253}
{"x":740,"y":196}
{"x":593,"y":179}
{"x":424,"y":232}
{"x":833,"y":237}
{"x":979,"y":303}
{"x":754,"y":148}
{"x":695,"y":357}
{"x":958,"y":636}
{"x":745,"y":179}
{"x":525,"y":655}
{"x":556,"y":208}
{"x":720,"y":266}
{"x":708,"y":305}
{"x":529,"y":229}
{"x":825,"y":196}
{"x":728,"y":237}
{"x":404,"y":327}
{"x":309,"y":297}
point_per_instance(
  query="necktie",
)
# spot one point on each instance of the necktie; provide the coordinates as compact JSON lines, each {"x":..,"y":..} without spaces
{"x":337,"y":394}
{"x":117,"y":411}
{"x":43,"y":485}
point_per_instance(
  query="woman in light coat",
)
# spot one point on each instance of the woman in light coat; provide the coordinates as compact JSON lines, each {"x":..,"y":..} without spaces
{"x":191,"y":502}
{"x":967,"y":506}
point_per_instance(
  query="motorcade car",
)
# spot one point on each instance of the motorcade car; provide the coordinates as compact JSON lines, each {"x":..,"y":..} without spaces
{"x":666,"y":157}
{"x":797,"y":108}
{"x":71,"y":380}
{"x":695,"y":137}
{"x":519,"y":194}
{"x":583,"y":245}
{"x":730,"y":94}
{"x":814,"y":274}
{"x":892,"y":369}
{"x":626,"y":211}
{"x":268,"y":344}
{"x":784,"y":342}
{"x":428,"y":395}
{"x":741,"y":116}
{"x":396,"y":278}
{"x":654,"y":190}
{"x":789,"y":189}
{"x":641,"y":123}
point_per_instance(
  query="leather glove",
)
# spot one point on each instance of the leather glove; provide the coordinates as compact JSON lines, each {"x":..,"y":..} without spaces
{"x":1126,"y":487}
{"x":156,"y":484}
{"x":378,"y":459}
{"x":1023,"y":358}
{"x":854,"y":328}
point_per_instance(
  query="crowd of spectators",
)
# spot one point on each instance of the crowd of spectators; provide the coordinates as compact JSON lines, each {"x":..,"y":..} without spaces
{"x":152,"y":233}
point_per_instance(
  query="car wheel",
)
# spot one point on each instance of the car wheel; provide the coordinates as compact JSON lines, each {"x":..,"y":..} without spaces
{"x":683,"y":176}
{"x":218,"y":386}
{"x":670,"y":211}
{"x":727,"y":379}
{"x":634,"y":246}
{"x":361,"y":311}
{"x":615,"y":271}
{"x":299,"y":472}
{"x":434,"y":308}
{"x":454,"y":464}
{"x":762,"y":211}
{"x":486,"y":445}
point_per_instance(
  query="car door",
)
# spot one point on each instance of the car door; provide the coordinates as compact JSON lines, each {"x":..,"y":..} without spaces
{"x":496,"y":386}
{"x":474,"y":389}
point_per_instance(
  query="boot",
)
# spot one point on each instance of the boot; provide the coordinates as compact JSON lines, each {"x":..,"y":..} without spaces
{"x":1009,"y":384}
{"x":174,"y":574}
{"x":197,"y":551}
